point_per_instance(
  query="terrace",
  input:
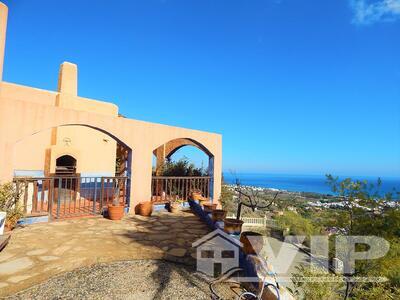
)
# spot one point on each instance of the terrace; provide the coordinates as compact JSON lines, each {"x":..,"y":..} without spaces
{"x":41,"y":251}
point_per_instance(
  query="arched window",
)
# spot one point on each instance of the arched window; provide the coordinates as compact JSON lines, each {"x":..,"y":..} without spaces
{"x":65,"y":165}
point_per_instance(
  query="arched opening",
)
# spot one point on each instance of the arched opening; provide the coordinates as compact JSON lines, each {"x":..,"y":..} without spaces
{"x":73,"y":170}
{"x":180,"y":167}
{"x":66,"y":165}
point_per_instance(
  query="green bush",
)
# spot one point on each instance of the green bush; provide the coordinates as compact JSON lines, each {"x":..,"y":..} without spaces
{"x":307,"y":288}
{"x":9,"y":202}
{"x":298,"y":225}
{"x":226,"y":199}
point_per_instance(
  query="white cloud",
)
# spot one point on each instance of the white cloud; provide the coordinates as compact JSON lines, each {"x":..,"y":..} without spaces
{"x":368,"y":12}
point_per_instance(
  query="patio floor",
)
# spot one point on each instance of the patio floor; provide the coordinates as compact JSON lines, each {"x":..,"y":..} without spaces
{"x":40,"y":251}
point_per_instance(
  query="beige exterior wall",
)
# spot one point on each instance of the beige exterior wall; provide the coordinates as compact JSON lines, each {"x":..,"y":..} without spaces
{"x":94,"y":151}
{"x":30,"y":121}
{"x":32,"y":161}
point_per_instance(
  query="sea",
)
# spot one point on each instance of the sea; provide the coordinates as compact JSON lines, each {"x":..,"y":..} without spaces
{"x":305,"y":183}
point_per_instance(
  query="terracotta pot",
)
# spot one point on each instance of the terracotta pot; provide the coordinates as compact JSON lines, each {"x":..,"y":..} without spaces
{"x":202,"y":200}
{"x":196,"y":196}
{"x":145,"y":208}
{"x":174,"y":207}
{"x":233,"y":226}
{"x":218,"y":215}
{"x":115,"y":212}
{"x":8,"y":228}
{"x":209,"y":207}
{"x":252,"y":242}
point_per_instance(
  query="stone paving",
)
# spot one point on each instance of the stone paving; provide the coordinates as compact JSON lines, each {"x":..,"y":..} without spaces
{"x":40,"y":251}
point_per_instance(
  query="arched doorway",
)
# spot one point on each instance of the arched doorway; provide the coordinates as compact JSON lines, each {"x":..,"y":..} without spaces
{"x":77,"y":172}
{"x":65,"y":165}
{"x":176,"y":177}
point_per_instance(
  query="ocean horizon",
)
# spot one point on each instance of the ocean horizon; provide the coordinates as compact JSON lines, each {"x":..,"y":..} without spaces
{"x":304,"y":183}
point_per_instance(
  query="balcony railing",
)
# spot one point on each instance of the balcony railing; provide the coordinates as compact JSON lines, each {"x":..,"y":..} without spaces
{"x":167,"y":188}
{"x":69,"y":196}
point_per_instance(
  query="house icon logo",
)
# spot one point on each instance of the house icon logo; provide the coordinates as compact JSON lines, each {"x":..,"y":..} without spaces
{"x":217,"y":253}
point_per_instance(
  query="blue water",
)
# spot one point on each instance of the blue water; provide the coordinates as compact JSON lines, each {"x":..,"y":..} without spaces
{"x":303,"y":183}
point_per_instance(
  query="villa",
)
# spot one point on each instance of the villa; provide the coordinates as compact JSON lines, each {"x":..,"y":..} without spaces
{"x":57,"y":141}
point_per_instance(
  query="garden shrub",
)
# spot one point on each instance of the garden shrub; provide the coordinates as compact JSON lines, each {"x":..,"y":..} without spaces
{"x":9,"y":203}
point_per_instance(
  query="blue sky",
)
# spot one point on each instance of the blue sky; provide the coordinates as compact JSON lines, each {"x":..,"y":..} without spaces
{"x":303,"y":87}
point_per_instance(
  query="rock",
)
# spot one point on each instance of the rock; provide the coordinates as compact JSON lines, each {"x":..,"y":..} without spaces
{"x":79,"y":248}
{"x":18,"y":278}
{"x":59,"y":223}
{"x":61,"y":250}
{"x":180,"y":242}
{"x":15,"y":265}
{"x":3,"y":284}
{"x":160,"y":237}
{"x":197,"y":231}
{"x":124,"y":239}
{"x":5,"y":256}
{"x":36,"y":252}
{"x":177,"y":252}
{"x":160,"y":228}
{"x":48,"y":258}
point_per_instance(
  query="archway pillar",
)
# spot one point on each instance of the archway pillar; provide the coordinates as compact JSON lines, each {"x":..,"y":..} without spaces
{"x":160,"y":159}
{"x":215,"y":170}
{"x":141,"y":174}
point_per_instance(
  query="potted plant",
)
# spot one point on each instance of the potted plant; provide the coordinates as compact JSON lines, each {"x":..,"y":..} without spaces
{"x":115,"y":210}
{"x":10,"y":206}
{"x":252,"y":242}
{"x":209,"y":207}
{"x":196,"y":194}
{"x":175,"y":205}
{"x":232,"y":226}
{"x":145,"y":208}
{"x":218,"y":215}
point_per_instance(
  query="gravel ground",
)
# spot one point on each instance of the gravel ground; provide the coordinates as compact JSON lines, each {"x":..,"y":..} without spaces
{"x":141,"y":279}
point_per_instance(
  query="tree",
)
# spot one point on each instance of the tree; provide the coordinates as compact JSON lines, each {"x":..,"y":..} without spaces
{"x":182,"y":167}
{"x":363,"y":204}
{"x":253,"y":199}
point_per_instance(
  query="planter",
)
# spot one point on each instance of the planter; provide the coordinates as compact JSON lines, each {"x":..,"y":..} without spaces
{"x":196,"y":196}
{"x":115,"y":212}
{"x":252,"y":242}
{"x":218,"y":215}
{"x":174,"y":208}
{"x":209,"y":207}
{"x":202,"y":201}
{"x":145,"y":208}
{"x":233,"y":226}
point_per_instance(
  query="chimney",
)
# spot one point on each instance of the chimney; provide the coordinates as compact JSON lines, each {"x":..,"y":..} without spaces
{"x":3,"y":28}
{"x":68,"y":79}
